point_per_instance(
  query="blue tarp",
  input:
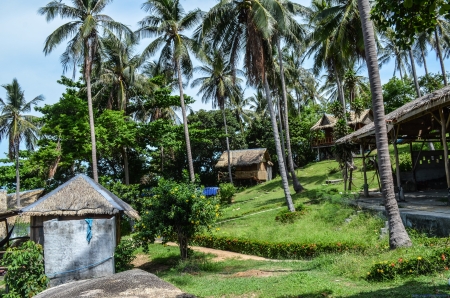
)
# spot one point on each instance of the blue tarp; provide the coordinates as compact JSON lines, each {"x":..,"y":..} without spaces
{"x":210,"y":191}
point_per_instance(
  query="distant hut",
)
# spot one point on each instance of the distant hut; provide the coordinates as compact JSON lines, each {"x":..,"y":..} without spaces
{"x":78,"y":224}
{"x":249,"y":164}
{"x":324,"y":141}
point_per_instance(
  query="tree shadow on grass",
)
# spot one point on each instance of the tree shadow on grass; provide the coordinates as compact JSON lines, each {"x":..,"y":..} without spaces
{"x":407,"y":289}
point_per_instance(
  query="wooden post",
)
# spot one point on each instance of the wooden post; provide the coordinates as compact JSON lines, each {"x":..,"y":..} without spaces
{"x":365,"y":186}
{"x":394,"y":135}
{"x":444,"y":143}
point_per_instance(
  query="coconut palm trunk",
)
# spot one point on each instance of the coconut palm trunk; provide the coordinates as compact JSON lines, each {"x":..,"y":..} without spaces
{"x":280,"y":155}
{"x":87,"y":75}
{"x":297,"y":186}
{"x":424,"y":61}
{"x":16,"y":153}
{"x":185,"y":124}
{"x":413,"y":66}
{"x":228,"y":143}
{"x":283,"y":148}
{"x":441,"y":60}
{"x":398,"y":237}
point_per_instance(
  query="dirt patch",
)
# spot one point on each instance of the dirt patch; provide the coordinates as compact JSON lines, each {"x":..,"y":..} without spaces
{"x":221,"y":255}
{"x":254,"y":273}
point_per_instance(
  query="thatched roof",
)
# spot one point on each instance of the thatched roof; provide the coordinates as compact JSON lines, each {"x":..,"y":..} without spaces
{"x":244,"y":157}
{"x":409,"y":111}
{"x":77,"y":197}
{"x":328,"y":121}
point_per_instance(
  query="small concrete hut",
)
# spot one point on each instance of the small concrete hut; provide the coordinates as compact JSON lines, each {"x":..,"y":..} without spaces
{"x":78,"y":224}
{"x":249,"y":164}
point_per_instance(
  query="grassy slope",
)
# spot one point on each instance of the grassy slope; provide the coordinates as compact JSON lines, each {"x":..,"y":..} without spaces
{"x":333,"y":275}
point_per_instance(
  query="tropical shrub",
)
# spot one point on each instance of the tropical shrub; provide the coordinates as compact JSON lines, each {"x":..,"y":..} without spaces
{"x":123,"y":255}
{"x":436,"y":261}
{"x":25,"y":276}
{"x":227,"y":191}
{"x":176,"y":211}
{"x":288,"y":217}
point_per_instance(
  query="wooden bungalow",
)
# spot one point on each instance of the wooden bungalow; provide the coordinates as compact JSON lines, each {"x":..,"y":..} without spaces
{"x":78,"y":224}
{"x":323,"y":141}
{"x":424,"y":119}
{"x":248,"y":164}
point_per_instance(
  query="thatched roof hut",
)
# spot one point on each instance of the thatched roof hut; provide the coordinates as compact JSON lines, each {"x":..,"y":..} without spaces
{"x":78,"y":197}
{"x":244,"y":157}
{"x":254,"y":164}
{"x":418,"y":113}
{"x":329,"y":121}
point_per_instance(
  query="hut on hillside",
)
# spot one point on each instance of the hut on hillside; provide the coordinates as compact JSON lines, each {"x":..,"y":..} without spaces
{"x":324,"y":129}
{"x":78,"y":224}
{"x":248,"y":164}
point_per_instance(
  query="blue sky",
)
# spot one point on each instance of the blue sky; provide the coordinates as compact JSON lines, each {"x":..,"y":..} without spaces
{"x":23,"y":33}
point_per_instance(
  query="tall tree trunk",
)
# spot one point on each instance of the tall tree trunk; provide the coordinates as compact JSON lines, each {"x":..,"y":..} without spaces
{"x":273,"y":119}
{"x":228,"y":143}
{"x":125,"y":165}
{"x":297,"y":186}
{"x":398,"y":237}
{"x":340,"y":94}
{"x":413,"y":66}
{"x":87,"y":74}
{"x":16,"y":155}
{"x":185,"y":124}
{"x":438,"y":49}
{"x":401,"y":74}
{"x":283,"y":148}
{"x":424,"y":61}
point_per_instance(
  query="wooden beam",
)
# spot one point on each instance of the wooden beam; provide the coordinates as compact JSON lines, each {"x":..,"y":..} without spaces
{"x":397,"y":163}
{"x":444,"y":143}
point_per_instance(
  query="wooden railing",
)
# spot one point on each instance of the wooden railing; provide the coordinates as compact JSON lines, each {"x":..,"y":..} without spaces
{"x":322,"y":142}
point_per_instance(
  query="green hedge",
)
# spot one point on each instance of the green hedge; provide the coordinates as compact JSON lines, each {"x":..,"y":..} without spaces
{"x":281,"y":250}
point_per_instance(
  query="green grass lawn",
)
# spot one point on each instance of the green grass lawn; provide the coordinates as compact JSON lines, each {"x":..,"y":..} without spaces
{"x":327,"y":275}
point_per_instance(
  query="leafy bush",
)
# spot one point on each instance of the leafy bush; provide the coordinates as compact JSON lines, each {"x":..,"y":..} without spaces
{"x":25,"y":276}
{"x":272,"y":250}
{"x":421,"y":265}
{"x":176,"y":210}
{"x":227,"y":191}
{"x":288,"y":217}
{"x":123,"y":255}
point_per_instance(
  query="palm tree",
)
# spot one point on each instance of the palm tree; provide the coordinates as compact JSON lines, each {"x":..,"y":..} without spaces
{"x":391,"y":50}
{"x":118,"y":81}
{"x":218,"y":85}
{"x":248,"y":26}
{"x":16,"y":126}
{"x":398,"y":237}
{"x":167,"y":21}
{"x":291,"y":31}
{"x":84,"y":34}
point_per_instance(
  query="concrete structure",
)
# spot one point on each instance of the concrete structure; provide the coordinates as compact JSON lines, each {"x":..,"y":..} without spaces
{"x":424,"y":211}
{"x":78,"y":224}
{"x":67,"y":248}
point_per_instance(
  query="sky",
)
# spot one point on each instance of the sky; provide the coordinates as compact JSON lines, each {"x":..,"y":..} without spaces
{"x":23,"y":32}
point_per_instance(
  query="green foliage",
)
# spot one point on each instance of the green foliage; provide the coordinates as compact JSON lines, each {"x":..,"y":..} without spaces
{"x":431,"y":82}
{"x":397,"y":92}
{"x":435,"y":261}
{"x":123,"y":255}
{"x":408,"y":17}
{"x":288,"y":217}
{"x":227,"y":191}
{"x":405,"y":162}
{"x":176,"y":210}
{"x":274,"y":250}
{"x":25,"y":276}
